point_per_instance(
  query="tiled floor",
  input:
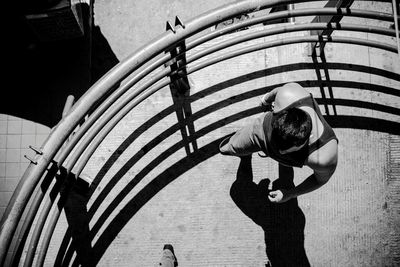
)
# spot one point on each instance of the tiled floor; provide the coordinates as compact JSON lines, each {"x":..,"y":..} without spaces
{"x":16,"y":135}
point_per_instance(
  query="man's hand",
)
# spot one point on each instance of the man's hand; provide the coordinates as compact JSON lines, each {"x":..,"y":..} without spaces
{"x":279,"y":196}
{"x":267,"y":102}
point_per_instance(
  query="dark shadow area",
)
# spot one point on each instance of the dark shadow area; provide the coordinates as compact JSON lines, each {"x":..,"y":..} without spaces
{"x":73,"y":199}
{"x":40,"y":74}
{"x":283,"y":223}
{"x":174,"y":171}
{"x":78,"y":222}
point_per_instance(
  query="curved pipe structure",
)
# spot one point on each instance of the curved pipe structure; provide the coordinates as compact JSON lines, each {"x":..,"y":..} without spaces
{"x":137,"y":78}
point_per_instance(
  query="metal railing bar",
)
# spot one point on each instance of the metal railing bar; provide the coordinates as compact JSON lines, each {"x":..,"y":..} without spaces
{"x":105,"y":105}
{"x":33,"y":208}
{"x":292,"y":28}
{"x":55,"y":214}
{"x":90,"y":148}
{"x":287,"y":41}
{"x":37,"y":199}
{"x":48,"y":203}
{"x":293,"y":13}
{"x":396,"y":25}
{"x":13,"y":213}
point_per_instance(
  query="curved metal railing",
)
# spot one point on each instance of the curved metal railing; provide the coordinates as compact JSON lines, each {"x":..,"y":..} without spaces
{"x":67,"y":150}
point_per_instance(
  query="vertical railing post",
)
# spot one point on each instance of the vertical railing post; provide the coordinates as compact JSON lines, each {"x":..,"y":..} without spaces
{"x":396,"y":24}
{"x":328,"y":19}
{"x":290,"y":7}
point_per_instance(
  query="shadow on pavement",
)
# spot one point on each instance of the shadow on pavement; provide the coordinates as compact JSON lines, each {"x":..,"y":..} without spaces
{"x":283,"y":223}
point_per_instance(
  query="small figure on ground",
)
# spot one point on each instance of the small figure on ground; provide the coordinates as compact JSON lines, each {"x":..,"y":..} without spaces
{"x":168,"y":258}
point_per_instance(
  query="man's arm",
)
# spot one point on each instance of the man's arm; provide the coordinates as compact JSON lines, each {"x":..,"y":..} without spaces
{"x":280,"y":97}
{"x":313,"y":182}
{"x":269,"y":97}
{"x":323,"y":170}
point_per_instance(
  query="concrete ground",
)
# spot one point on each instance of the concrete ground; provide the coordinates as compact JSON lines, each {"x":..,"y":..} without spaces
{"x":144,"y":197}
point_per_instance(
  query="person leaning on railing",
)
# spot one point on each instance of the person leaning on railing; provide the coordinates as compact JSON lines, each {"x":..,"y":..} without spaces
{"x":293,"y":132}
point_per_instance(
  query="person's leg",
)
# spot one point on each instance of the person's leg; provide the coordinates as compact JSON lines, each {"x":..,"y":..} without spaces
{"x":168,"y":258}
{"x":245,"y":141}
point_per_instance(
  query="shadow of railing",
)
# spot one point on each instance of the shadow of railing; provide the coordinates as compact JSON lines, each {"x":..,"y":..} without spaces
{"x":170,"y":174}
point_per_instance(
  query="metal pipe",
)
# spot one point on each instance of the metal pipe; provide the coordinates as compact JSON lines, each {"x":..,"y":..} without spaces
{"x":40,"y":192}
{"x":41,"y":221}
{"x":396,"y":25}
{"x":68,"y":105}
{"x":28,"y":220}
{"x":97,"y":92}
{"x":114,"y":121}
{"x":105,"y":105}
{"x":291,"y":8}
{"x":55,"y":214}
{"x":112,"y":114}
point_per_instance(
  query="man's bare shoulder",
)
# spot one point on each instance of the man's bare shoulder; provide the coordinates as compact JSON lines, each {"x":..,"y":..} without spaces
{"x":287,"y":94}
{"x":324,"y":158}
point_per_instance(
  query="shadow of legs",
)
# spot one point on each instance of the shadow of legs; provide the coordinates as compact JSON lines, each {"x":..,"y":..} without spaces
{"x":283,"y":224}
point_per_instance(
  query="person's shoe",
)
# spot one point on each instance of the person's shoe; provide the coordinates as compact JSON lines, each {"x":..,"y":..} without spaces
{"x":171,"y":248}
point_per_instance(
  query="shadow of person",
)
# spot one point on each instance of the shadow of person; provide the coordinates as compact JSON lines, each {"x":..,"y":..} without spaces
{"x":283,"y":223}
{"x":78,"y":222}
